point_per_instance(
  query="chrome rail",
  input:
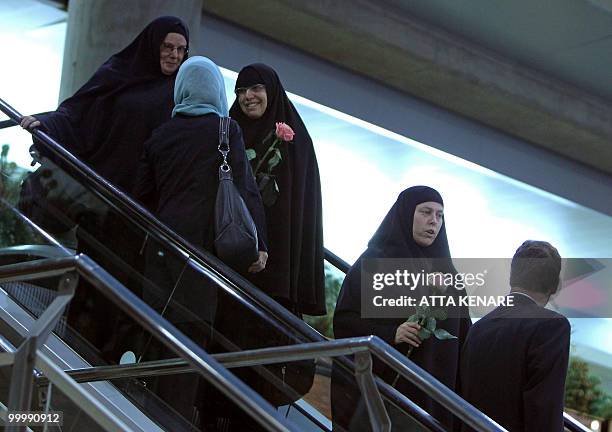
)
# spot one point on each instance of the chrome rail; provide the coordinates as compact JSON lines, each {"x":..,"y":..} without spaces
{"x":201,"y":362}
{"x":10,"y":123}
{"x":28,"y":357}
{"x":574,"y":425}
{"x":339,"y":347}
{"x":336,"y":261}
{"x":213,"y":268}
{"x":570,"y":423}
{"x":210,"y":265}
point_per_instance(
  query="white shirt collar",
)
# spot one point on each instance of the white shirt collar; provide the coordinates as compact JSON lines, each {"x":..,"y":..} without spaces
{"x":523,"y":294}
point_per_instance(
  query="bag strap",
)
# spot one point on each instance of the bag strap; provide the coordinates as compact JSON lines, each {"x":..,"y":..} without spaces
{"x":225,"y":171}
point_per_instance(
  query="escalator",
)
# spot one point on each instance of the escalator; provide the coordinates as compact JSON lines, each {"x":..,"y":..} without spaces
{"x":189,"y":289}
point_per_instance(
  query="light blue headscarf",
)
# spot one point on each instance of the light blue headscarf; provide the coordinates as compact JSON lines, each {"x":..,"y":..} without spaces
{"x":199,"y":89}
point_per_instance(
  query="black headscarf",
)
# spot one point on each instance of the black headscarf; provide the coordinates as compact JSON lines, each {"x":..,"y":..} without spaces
{"x":294,"y":271}
{"x":126,"y":98}
{"x":394,"y":239}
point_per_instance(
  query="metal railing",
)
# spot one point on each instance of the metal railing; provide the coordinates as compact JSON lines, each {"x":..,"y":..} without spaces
{"x":573,"y":425}
{"x":357,"y":346}
{"x":10,"y":123}
{"x":569,"y":422}
{"x":130,"y":209}
{"x":213,"y":268}
{"x":28,"y":353}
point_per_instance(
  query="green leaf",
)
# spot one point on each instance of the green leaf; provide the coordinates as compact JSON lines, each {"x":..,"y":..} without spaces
{"x":430,"y":323}
{"x":251,"y":154}
{"x":274,"y":160}
{"x":422,"y":310}
{"x":439,"y":314}
{"x":424,"y":333}
{"x":413,"y":318}
{"x":443,"y":334}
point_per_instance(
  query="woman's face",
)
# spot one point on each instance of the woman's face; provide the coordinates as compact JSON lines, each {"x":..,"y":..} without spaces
{"x":253,"y":100}
{"x":172,"y":52}
{"x":428,"y":219}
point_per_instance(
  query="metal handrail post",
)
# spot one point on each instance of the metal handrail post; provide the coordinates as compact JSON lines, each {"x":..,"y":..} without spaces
{"x":250,"y":401}
{"x":357,"y":346}
{"x":377,"y":413}
{"x":99,"y":413}
{"x":48,"y":320}
{"x":133,"y":210}
{"x":20,"y":392}
{"x":10,"y":123}
{"x":242,"y":395}
{"x":336,"y":261}
{"x":37,"y":269}
{"x":126,"y":206}
{"x":435,"y":389}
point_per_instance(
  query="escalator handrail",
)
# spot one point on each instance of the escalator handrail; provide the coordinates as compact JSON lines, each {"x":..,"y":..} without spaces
{"x":338,"y":347}
{"x":574,"y":425}
{"x":132,"y":210}
{"x":569,"y":422}
{"x":336,"y":261}
{"x":87,"y":403}
{"x":4,"y":124}
{"x":145,"y":316}
{"x":223,"y":273}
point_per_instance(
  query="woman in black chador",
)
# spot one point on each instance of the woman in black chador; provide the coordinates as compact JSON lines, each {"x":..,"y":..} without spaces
{"x":291,"y":192}
{"x":108,"y":120}
{"x":413,"y":228}
{"x":105,"y":124}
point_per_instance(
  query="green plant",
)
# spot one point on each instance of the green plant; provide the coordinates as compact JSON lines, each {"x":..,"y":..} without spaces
{"x":603,"y":407}
{"x":427,"y":317}
{"x":324,"y":323}
{"x":12,"y":230}
{"x":583,"y":392}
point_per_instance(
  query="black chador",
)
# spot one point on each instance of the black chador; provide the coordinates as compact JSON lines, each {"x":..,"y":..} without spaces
{"x":107,"y":121}
{"x":294,"y":272}
{"x":394,"y":239}
{"x":105,"y":124}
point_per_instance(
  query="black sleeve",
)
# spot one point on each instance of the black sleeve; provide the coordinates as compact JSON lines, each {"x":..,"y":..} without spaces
{"x":384,"y":329}
{"x":347,"y":317}
{"x":245,"y":183}
{"x":58,"y":127}
{"x":145,"y":189}
{"x":547,"y":359}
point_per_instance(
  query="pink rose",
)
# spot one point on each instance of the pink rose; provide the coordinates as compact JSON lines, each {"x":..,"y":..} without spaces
{"x":284,"y":132}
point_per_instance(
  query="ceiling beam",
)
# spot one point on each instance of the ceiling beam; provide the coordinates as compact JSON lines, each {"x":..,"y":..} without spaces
{"x":383,"y":43}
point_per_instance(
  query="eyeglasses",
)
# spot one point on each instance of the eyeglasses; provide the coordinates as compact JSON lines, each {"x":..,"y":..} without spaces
{"x":167,"y":48}
{"x":254,"y":88}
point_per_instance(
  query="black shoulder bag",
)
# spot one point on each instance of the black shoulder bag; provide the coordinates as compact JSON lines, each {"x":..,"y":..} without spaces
{"x":235,"y":230}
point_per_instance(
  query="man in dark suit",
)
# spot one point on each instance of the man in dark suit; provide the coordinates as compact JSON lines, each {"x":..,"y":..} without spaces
{"x":514,"y":360}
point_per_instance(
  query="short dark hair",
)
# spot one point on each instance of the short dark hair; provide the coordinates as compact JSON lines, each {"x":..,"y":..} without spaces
{"x":536,"y":266}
